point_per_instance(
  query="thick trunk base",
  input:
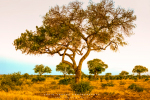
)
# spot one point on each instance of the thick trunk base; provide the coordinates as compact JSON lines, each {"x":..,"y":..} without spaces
{"x":78,"y":76}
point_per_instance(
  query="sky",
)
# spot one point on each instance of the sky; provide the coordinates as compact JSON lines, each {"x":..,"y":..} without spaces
{"x":18,"y":15}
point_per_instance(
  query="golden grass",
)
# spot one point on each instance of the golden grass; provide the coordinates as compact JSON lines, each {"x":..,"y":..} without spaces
{"x":36,"y":91}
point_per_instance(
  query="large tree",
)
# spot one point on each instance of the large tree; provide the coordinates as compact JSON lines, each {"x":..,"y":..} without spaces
{"x":96,"y":66}
{"x":42,"y":69}
{"x":139,"y":69}
{"x":68,"y":30}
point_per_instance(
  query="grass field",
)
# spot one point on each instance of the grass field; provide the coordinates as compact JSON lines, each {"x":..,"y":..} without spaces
{"x":51,"y":90}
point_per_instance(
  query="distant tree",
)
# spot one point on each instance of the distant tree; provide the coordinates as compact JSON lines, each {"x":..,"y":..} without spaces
{"x":108,"y":74}
{"x":42,"y":69}
{"x":26,"y":76}
{"x":64,"y":68}
{"x":139,"y":69}
{"x":70,"y":30}
{"x":96,"y":66}
{"x":70,"y":70}
{"x":124,"y":73}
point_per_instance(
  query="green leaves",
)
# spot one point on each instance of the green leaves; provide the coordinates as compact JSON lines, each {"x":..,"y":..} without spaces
{"x":41,"y":69}
{"x":139,"y":69}
{"x":64,"y":68}
{"x":96,"y":66}
{"x":124,"y":73}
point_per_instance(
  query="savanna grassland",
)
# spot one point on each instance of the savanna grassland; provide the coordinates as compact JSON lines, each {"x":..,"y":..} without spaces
{"x":50,"y":89}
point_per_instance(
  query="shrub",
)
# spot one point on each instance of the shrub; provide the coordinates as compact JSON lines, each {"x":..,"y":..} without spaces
{"x":34,"y":79}
{"x":53,"y":83}
{"x":29,"y":83}
{"x":56,"y":78}
{"x":6,"y":88}
{"x":81,"y":87}
{"x":107,"y":78}
{"x":146,"y":79}
{"x":38,"y":78}
{"x":136,"y":87}
{"x":11,"y":81}
{"x":26,"y":75}
{"x":91,"y":78}
{"x":122,"y":83}
{"x":103,"y":85}
{"x":107,"y":84}
{"x":110,"y":84}
{"x":64,"y":81}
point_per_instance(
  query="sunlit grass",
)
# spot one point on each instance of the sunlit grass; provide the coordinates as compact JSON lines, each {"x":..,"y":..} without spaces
{"x":28,"y":91}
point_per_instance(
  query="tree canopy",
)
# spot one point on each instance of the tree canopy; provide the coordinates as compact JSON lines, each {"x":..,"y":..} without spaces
{"x":139,"y":69}
{"x":74,"y":29}
{"x":96,"y":66}
{"x":108,"y":74}
{"x":124,"y":73}
{"x":42,"y":69}
{"x":64,"y":68}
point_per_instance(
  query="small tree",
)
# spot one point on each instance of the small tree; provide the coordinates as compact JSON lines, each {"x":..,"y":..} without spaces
{"x":96,"y":66}
{"x":124,"y":73}
{"x":107,"y":76}
{"x":70,"y":70}
{"x":41,"y":69}
{"x":64,"y":68}
{"x":26,"y":76}
{"x":139,"y":69}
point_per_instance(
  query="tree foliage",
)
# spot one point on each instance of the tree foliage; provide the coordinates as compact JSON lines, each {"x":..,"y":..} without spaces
{"x":139,"y":69}
{"x":124,"y":73}
{"x":108,"y":74}
{"x":74,"y":29}
{"x":42,"y":69}
{"x":96,"y":66}
{"x":64,"y":68}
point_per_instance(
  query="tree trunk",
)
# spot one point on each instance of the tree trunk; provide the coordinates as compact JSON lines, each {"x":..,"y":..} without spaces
{"x":139,"y":75}
{"x":78,"y":76}
{"x":95,"y":74}
{"x":64,"y":76}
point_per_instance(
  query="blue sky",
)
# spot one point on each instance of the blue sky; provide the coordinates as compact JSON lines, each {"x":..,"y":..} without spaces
{"x":19,"y":15}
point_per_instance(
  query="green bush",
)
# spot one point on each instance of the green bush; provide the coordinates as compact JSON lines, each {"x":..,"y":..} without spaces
{"x":146,"y":79}
{"x":91,"y":78}
{"x":81,"y":87}
{"x":26,"y":75}
{"x":122,"y":83}
{"x":103,"y":85}
{"x":64,"y":81}
{"x":6,"y":88}
{"x":56,"y":78}
{"x":11,"y":81}
{"x":136,"y":87}
{"x":29,"y":83}
{"x":38,"y":78}
{"x":107,"y":84}
{"x":53,"y":83}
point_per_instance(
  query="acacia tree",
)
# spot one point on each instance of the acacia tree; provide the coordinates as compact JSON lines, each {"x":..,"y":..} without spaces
{"x":70,"y":30}
{"x":42,"y":69}
{"x":139,"y":69}
{"x":71,"y":70}
{"x":64,"y":68}
{"x":124,"y":73}
{"x":96,"y":66}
